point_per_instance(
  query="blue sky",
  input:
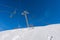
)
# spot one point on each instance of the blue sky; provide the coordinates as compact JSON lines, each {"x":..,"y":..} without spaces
{"x":41,"y":13}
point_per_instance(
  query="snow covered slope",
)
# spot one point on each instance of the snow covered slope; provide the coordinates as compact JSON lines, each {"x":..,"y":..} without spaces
{"x":38,"y":33}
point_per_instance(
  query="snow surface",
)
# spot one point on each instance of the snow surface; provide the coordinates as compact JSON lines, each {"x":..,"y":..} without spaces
{"x":37,"y":33}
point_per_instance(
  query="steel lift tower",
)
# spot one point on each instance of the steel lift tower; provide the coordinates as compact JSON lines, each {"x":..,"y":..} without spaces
{"x":26,"y":17}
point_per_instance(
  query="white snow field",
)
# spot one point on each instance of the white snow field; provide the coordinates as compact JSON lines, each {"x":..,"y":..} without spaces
{"x":49,"y":32}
